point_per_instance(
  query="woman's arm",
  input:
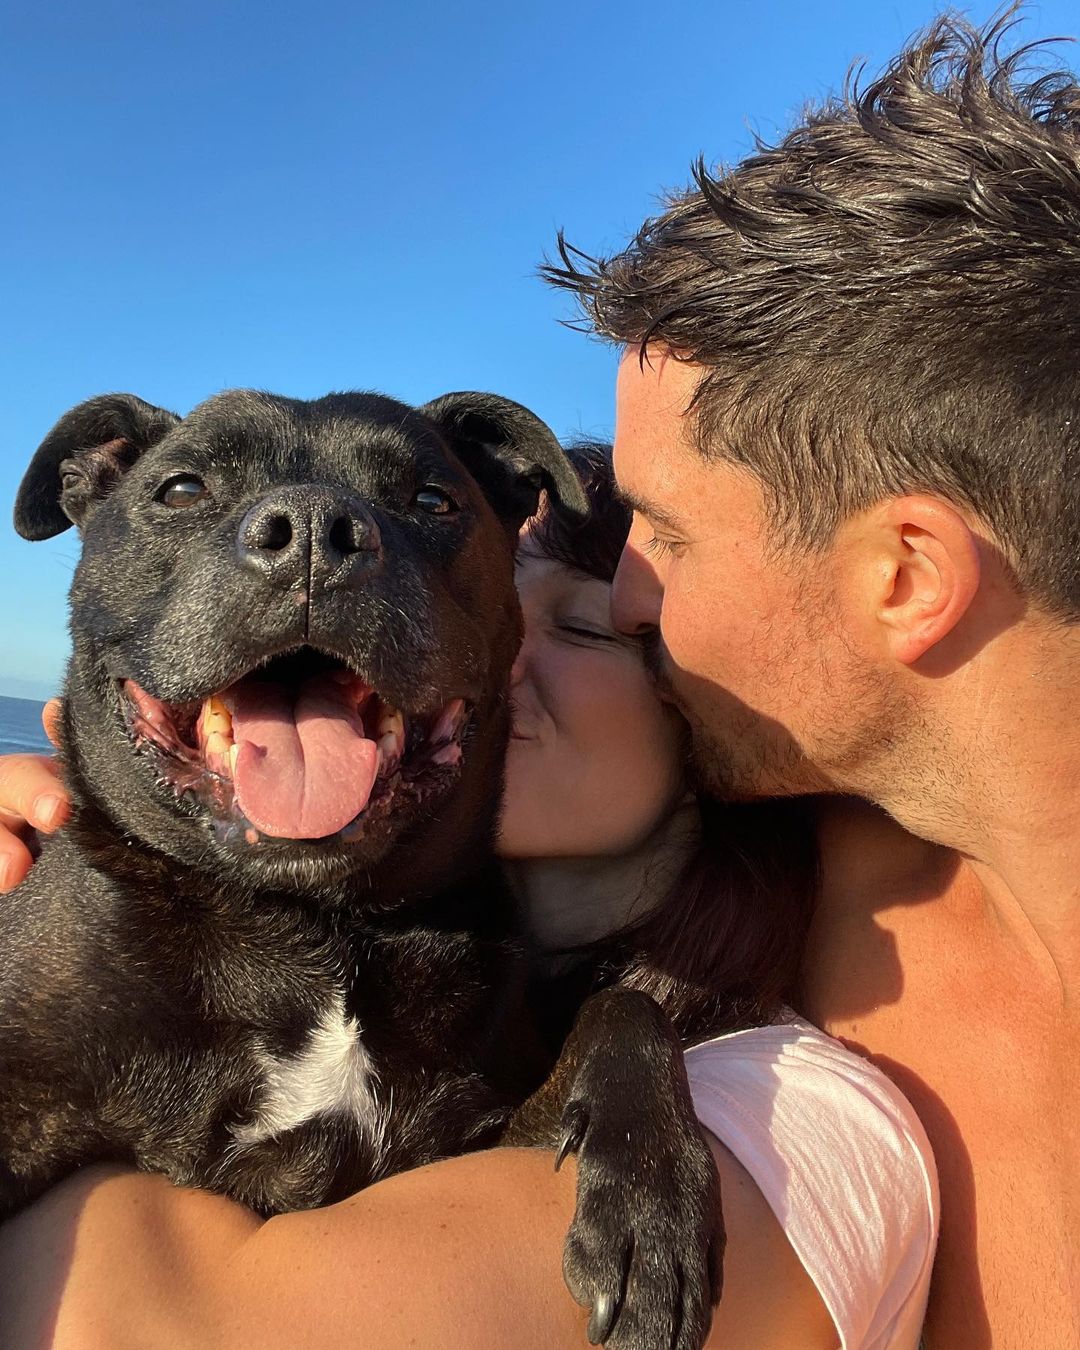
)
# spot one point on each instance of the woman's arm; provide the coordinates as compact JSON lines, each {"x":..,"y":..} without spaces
{"x":466,"y":1253}
{"x":462,"y":1255}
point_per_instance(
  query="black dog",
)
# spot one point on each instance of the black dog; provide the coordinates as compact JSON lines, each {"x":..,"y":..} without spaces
{"x":271,"y":954}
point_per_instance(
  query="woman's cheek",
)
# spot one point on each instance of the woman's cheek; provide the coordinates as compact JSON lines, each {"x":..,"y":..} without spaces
{"x":524,"y":827}
{"x":662,"y":736}
{"x":637,"y":755}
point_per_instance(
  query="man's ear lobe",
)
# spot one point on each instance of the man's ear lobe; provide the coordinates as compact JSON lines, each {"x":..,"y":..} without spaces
{"x":511,"y":454}
{"x":932,"y":574}
{"x":82,"y":457}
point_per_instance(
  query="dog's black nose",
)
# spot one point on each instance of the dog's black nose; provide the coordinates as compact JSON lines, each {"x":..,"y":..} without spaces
{"x":301,"y":536}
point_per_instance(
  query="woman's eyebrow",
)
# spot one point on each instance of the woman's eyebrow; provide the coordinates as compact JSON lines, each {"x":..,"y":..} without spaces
{"x":643,"y":507}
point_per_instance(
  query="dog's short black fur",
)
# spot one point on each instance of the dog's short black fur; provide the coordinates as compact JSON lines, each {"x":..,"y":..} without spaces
{"x":249,"y":987}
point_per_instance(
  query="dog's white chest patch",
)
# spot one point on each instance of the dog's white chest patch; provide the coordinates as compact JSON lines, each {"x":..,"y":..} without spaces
{"x":332,"y":1075}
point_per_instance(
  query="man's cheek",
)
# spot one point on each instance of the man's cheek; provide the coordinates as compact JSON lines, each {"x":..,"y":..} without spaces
{"x":685,"y":628}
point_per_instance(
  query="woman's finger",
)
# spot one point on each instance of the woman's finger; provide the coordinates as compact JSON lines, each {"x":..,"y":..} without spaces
{"x":15,"y":860}
{"x":31,"y":790}
{"x":51,"y":714}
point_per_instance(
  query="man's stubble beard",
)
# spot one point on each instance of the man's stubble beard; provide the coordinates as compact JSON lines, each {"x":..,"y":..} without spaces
{"x":732,"y":754}
{"x":739,"y":760}
{"x":862,"y":742}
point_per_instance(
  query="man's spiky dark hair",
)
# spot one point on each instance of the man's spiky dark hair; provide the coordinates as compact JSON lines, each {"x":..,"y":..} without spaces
{"x":887,"y":301}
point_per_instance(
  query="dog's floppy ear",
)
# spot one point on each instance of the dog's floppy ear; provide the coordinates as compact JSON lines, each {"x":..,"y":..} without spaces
{"x":510,"y":452}
{"x":82,"y":457}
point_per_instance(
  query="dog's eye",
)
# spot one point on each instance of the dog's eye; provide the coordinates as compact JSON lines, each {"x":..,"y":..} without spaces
{"x":183,"y":490}
{"x":434,"y":501}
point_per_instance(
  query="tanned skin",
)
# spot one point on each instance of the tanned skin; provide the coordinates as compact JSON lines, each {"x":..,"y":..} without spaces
{"x":899,"y":665}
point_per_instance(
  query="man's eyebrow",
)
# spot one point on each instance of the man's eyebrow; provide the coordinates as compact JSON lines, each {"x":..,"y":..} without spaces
{"x":643,"y":507}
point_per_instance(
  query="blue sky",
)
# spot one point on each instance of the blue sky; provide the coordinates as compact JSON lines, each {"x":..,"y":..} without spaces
{"x":327,"y":196}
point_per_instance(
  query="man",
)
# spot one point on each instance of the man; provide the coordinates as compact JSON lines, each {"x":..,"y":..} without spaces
{"x":849,"y":424}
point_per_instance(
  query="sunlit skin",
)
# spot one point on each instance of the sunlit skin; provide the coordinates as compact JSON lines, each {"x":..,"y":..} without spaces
{"x":755,"y":649}
{"x":595,"y":760}
{"x":595,"y":789}
{"x":465,"y":1254}
{"x":898,"y":661}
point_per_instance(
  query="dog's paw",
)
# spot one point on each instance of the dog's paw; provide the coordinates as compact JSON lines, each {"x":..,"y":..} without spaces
{"x":645,"y":1251}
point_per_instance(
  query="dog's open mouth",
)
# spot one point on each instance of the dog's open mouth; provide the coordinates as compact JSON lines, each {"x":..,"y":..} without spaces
{"x":301,"y":748}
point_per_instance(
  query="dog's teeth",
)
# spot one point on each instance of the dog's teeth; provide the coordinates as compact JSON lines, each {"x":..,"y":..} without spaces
{"x":390,"y":735}
{"x":214,"y":735}
{"x":219,"y":754}
{"x":214,"y":720}
{"x":389,"y":720}
{"x":389,"y":751}
{"x":446,"y":728}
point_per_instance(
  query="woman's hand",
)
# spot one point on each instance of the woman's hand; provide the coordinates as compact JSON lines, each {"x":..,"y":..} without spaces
{"x":32,"y":798}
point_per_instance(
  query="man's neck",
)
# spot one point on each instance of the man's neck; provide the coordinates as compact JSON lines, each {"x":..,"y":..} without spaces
{"x":1001,"y":786}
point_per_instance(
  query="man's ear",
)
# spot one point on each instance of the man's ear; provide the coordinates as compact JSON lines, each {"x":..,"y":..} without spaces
{"x":511,"y":454}
{"x":929,"y":570}
{"x":82,"y":457}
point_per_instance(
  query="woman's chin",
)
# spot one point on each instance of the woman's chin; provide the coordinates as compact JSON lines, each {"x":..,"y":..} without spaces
{"x":517,"y":834}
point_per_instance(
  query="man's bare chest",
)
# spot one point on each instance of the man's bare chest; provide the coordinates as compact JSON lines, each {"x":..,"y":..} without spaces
{"x":980,"y":1043}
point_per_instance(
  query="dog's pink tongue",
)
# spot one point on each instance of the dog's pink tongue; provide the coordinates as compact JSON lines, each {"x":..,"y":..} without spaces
{"x":304,"y":768}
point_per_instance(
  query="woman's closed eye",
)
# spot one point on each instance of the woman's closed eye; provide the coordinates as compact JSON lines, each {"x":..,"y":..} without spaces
{"x":582,"y":630}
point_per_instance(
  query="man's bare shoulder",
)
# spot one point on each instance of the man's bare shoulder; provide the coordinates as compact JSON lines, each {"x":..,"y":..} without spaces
{"x":908,"y":964}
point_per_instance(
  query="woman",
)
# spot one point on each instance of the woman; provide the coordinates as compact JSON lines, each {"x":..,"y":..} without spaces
{"x":829,"y":1189}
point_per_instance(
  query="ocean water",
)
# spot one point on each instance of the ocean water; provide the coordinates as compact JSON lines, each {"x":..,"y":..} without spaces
{"x":20,"y":727}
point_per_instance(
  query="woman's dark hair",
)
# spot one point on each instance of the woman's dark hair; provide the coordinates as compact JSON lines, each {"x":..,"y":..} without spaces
{"x":592,"y":546}
{"x":722,"y":950}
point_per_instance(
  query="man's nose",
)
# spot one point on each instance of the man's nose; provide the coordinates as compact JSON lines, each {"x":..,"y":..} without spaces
{"x":637,"y":595}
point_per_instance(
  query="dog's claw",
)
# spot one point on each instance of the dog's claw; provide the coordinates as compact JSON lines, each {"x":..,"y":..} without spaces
{"x":644,"y":1253}
{"x":575,"y":1122}
{"x":602,"y":1319}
